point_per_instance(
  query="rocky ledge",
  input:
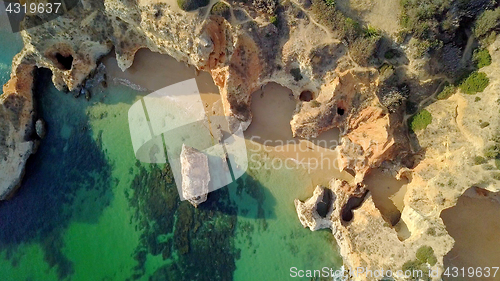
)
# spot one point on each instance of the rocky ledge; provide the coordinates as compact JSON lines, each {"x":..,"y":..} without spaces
{"x":17,"y":130}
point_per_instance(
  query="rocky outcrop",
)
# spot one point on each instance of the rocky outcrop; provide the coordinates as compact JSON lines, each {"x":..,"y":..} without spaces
{"x":16,"y":127}
{"x":366,"y":240}
{"x":370,"y":133}
{"x":40,"y":128}
{"x":195,"y":175}
{"x":316,"y":212}
{"x":457,"y":152}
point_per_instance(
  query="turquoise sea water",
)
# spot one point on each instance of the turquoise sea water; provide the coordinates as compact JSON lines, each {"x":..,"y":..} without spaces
{"x":10,"y":45}
{"x":87,"y":210}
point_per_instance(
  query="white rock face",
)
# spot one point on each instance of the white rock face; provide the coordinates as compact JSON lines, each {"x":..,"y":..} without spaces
{"x":308,"y":210}
{"x":195,"y":175}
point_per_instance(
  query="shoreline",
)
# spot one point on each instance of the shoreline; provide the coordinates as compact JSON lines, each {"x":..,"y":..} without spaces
{"x":337,"y":92}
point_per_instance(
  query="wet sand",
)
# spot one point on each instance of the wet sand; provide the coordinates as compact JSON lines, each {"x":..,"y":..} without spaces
{"x":152,"y":71}
{"x":473,"y":223}
{"x":272,"y":109}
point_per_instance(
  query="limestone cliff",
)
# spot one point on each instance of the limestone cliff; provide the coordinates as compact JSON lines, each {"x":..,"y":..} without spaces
{"x":17,"y":141}
{"x":298,"y":46}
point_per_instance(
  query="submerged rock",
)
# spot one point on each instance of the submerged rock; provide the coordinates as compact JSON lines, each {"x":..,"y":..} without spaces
{"x":195,"y":175}
{"x":40,"y":128}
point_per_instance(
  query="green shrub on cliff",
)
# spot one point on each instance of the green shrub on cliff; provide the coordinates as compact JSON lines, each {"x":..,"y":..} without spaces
{"x":475,"y":83}
{"x":487,"y":22}
{"x":420,"y":121}
{"x":191,"y":5}
{"x":330,"y":2}
{"x":492,"y":151}
{"x":363,"y":49}
{"x":422,"y":17}
{"x":315,"y":104}
{"x":497,"y":163}
{"x":273,"y":20}
{"x":481,"y":58}
{"x":329,"y":16}
{"x":425,"y":254}
{"x":371,"y":32}
{"x":362,"y":42}
{"x":447,"y":92}
{"x":479,"y":160}
{"x":221,"y":9}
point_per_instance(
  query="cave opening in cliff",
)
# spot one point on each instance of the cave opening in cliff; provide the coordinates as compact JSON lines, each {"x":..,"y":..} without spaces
{"x":65,"y":62}
{"x":306,"y":96}
{"x":476,"y":240}
{"x":352,"y":204}
{"x":325,"y":205}
{"x":340,"y":111}
{"x":350,"y":172}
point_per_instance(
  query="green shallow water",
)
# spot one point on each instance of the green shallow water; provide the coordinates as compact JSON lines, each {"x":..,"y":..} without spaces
{"x":88,"y":211}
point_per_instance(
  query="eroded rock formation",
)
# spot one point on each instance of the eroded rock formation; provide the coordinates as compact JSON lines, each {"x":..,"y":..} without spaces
{"x":195,"y":175}
{"x":17,"y":115}
{"x":316,"y":212}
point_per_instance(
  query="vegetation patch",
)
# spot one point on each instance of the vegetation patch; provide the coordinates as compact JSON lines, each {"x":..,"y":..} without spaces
{"x":420,"y":121}
{"x":315,"y":104}
{"x":221,"y":9}
{"x":371,"y":32}
{"x":475,"y":83}
{"x":363,"y":48}
{"x":447,"y":92}
{"x":423,"y":17}
{"x":479,"y":160}
{"x":297,"y":76}
{"x":191,"y":5}
{"x":362,"y":42}
{"x":483,"y":124}
{"x":330,"y":2}
{"x":390,"y":54}
{"x":487,"y":22}
{"x":425,"y":254}
{"x":273,"y":20}
{"x":492,"y":151}
{"x":481,"y":58}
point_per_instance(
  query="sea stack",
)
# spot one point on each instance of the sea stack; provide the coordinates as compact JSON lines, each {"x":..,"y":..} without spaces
{"x":195,"y":175}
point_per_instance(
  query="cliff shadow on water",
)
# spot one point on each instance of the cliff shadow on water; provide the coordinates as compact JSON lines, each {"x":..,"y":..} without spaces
{"x":67,"y":180}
